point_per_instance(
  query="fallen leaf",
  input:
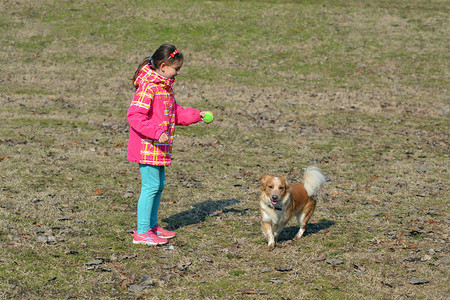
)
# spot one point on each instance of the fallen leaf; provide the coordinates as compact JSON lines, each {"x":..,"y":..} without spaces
{"x":94,"y":262}
{"x":335,"y":194}
{"x":412,"y":259}
{"x":426,"y":258}
{"x":276,"y":280}
{"x":145,"y":283}
{"x":320,"y":258}
{"x":416,"y":281}
{"x":128,"y":195}
{"x":283,"y":269}
{"x":183,"y":266}
{"x":387,"y":284}
{"x":248,"y":291}
{"x":359,"y":267}
{"x":126,"y":282}
{"x":374,"y":177}
{"x":334,"y":262}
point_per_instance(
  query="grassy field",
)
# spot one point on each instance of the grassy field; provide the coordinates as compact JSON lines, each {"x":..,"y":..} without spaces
{"x":358,"y":88}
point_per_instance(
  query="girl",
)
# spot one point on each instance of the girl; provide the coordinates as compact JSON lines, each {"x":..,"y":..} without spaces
{"x":152,"y":116}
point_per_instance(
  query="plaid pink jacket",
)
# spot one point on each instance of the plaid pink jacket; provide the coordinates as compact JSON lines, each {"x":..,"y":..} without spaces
{"x":152,"y":112}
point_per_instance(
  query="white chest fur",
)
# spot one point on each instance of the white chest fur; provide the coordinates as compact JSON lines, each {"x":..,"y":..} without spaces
{"x":271,"y":215}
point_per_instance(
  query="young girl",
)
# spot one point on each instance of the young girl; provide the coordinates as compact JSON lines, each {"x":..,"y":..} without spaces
{"x":152,"y":116}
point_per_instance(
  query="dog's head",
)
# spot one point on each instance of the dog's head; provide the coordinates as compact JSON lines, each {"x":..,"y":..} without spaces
{"x":275,"y":189}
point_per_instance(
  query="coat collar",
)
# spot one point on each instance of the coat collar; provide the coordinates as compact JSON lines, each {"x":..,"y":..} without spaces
{"x":148,"y":75}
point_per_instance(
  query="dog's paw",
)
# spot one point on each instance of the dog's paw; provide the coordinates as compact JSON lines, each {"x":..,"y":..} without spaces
{"x":299,"y":234}
{"x":297,"y":237}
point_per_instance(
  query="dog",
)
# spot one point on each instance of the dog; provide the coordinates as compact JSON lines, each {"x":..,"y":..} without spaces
{"x":280,"y":201}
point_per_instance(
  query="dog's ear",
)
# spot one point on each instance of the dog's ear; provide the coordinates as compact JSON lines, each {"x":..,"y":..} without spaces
{"x":285,"y":181}
{"x":263,"y":179}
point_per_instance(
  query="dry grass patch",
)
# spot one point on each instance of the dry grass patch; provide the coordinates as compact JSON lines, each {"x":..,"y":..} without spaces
{"x":359,"y":89}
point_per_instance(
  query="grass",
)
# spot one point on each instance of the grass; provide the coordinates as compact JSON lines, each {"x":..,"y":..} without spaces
{"x":358,"y":88}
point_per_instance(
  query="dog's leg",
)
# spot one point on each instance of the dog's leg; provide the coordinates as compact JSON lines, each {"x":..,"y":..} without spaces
{"x":304,"y":218}
{"x":303,"y":225}
{"x":267,"y":230}
{"x":278,"y":230}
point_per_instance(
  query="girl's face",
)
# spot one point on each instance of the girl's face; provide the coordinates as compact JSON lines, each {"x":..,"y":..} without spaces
{"x":170,"y":71}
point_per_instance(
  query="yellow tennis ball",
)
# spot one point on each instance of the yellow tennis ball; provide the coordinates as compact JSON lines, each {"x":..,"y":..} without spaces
{"x":209,"y":117}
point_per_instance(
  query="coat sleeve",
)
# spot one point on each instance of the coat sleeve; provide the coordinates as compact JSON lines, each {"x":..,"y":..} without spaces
{"x":138,"y":114}
{"x":186,"y":116}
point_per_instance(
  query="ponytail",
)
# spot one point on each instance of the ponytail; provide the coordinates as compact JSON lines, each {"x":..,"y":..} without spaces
{"x":146,"y":61}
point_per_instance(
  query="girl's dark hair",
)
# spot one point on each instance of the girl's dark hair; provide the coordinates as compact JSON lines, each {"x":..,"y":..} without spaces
{"x":161,"y":55}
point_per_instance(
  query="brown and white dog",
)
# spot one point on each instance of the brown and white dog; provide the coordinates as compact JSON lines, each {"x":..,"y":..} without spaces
{"x":280,"y":201}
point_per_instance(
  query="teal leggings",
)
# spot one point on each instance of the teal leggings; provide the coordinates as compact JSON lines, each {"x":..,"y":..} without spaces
{"x":153,"y":181}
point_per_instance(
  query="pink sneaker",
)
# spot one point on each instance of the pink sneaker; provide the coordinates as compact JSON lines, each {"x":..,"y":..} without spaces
{"x":148,"y":238}
{"x":163,"y":233}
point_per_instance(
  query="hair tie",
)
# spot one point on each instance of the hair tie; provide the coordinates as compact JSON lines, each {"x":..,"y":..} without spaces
{"x":172,"y":55}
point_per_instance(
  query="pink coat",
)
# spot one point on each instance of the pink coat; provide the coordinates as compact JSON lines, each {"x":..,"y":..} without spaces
{"x":152,"y":112}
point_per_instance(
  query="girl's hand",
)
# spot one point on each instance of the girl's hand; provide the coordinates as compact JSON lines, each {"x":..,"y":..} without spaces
{"x":207,"y":116}
{"x":163,"y":138}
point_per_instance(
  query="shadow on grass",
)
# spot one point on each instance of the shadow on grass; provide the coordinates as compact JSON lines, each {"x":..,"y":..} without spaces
{"x":199,"y":213}
{"x":289,"y":233}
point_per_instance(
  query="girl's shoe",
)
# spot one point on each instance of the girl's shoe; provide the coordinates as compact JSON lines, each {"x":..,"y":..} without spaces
{"x":163,"y":233}
{"x":148,"y":238}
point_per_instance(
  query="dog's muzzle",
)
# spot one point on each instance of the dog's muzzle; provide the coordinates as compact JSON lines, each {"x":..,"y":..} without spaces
{"x":275,"y":200}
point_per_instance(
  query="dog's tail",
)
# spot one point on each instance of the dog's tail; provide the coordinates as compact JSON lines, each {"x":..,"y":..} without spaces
{"x":313,"y":180}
